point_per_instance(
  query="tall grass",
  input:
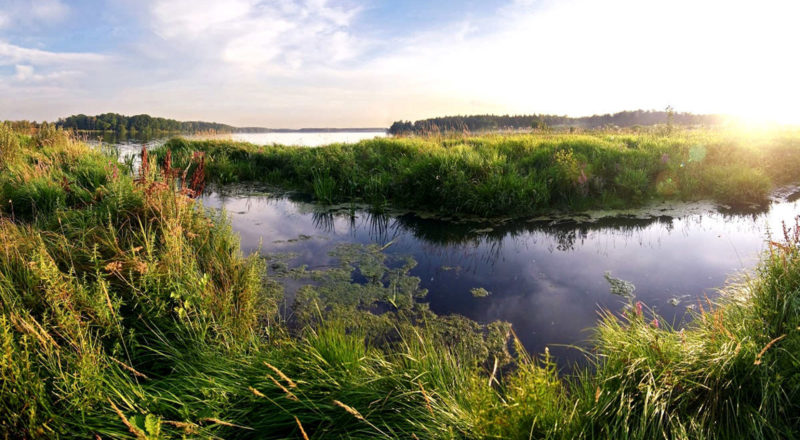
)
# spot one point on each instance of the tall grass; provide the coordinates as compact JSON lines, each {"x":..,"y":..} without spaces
{"x":499,"y":175}
{"x":128,"y":311}
{"x":733,"y":373}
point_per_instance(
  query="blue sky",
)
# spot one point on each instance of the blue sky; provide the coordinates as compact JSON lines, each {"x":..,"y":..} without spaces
{"x":294,"y":63}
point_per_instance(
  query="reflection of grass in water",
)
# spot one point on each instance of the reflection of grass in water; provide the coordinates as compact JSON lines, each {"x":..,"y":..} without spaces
{"x":125,"y":312}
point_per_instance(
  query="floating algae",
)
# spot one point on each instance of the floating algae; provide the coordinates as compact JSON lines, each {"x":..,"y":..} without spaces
{"x":479,"y":292}
{"x":619,"y":286}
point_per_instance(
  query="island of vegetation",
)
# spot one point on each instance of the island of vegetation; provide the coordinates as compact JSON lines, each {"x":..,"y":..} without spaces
{"x":128,"y":311}
{"x":497,"y":175}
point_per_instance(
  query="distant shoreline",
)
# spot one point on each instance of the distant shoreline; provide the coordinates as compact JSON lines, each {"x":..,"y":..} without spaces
{"x":248,"y":130}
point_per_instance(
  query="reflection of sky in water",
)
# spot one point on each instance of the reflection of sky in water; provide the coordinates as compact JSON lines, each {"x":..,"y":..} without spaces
{"x":546,"y":280}
{"x":310,"y":139}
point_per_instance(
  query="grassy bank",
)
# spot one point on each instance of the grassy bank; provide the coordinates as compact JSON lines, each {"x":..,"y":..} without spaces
{"x":500,"y":175}
{"x":128,"y":311}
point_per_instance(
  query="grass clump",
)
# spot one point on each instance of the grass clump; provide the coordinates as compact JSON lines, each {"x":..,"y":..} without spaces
{"x":517,"y":174}
{"x":732,"y":373}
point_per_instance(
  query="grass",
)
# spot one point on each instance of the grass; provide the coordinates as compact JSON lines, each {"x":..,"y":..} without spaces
{"x":128,"y":311}
{"x":502,"y":175}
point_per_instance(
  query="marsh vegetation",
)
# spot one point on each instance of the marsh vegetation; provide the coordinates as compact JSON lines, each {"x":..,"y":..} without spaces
{"x":129,"y":311}
{"x":515,"y":175}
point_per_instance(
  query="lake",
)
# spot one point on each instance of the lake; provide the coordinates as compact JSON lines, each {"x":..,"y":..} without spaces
{"x":306,"y":139}
{"x":131,"y":145}
{"x":129,"y":148}
{"x":545,"y":276}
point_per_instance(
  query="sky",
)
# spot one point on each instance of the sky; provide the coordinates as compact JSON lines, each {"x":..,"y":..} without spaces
{"x":348,"y":63}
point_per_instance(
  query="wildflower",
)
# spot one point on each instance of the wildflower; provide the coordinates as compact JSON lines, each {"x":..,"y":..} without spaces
{"x":664,"y":158}
{"x":639,"y":308}
{"x":654,"y":323}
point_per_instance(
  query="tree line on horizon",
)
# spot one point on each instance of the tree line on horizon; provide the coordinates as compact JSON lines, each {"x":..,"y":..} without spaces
{"x":121,"y":124}
{"x":477,"y":123}
{"x":150,"y":125}
{"x":145,"y":124}
{"x":138,"y":124}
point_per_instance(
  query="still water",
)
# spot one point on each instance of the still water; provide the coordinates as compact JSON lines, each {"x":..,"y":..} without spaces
{"x":128,"y":148}
{"x":129,"y":145}
{"x":306,"y":139}
{"x":546,"y":277}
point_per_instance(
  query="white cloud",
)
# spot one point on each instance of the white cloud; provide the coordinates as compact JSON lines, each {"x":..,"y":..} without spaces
{"x":28,"y":74}
{"x":282,"y":35}
{"x":12,"y":54}
{"x":23,"y":72}
{"x":50,"y":11}
{"x":22,"y":13}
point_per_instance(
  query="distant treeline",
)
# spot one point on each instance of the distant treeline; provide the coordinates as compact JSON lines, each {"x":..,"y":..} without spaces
{"x":138,"y":124}
{"x":146,"y":125}
{"x":476,"y":123}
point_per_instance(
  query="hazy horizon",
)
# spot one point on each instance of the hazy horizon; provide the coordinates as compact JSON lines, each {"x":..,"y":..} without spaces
{"x":330,"y":64}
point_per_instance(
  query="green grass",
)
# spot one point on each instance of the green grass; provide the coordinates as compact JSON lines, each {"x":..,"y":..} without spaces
{"x":501,"y":175}
{"x":128,"y":311}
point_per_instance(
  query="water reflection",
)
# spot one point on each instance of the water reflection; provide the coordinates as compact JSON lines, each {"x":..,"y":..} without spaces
{"x":544,"y":276}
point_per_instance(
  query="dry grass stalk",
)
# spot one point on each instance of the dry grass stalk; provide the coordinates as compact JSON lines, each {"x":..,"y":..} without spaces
{"x":42,"y":336}
{"x":288,"y":393}
{"x":256,"y":392}
{"x":129,"y":368}
{"x":427,"y":399}
{"x":224,"y":423}
{"x":302,"y":431}
{"x":133,"y":429}
{"x":767,"y":347}
{"x":494,"y":372}
{"x":350,"y":410}
{"x":188,"y":428}
{"x":284,"y":377}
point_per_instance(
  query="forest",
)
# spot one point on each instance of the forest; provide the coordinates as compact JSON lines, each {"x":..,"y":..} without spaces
{"x":478,"y":123}
{"x":138,"y":124}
